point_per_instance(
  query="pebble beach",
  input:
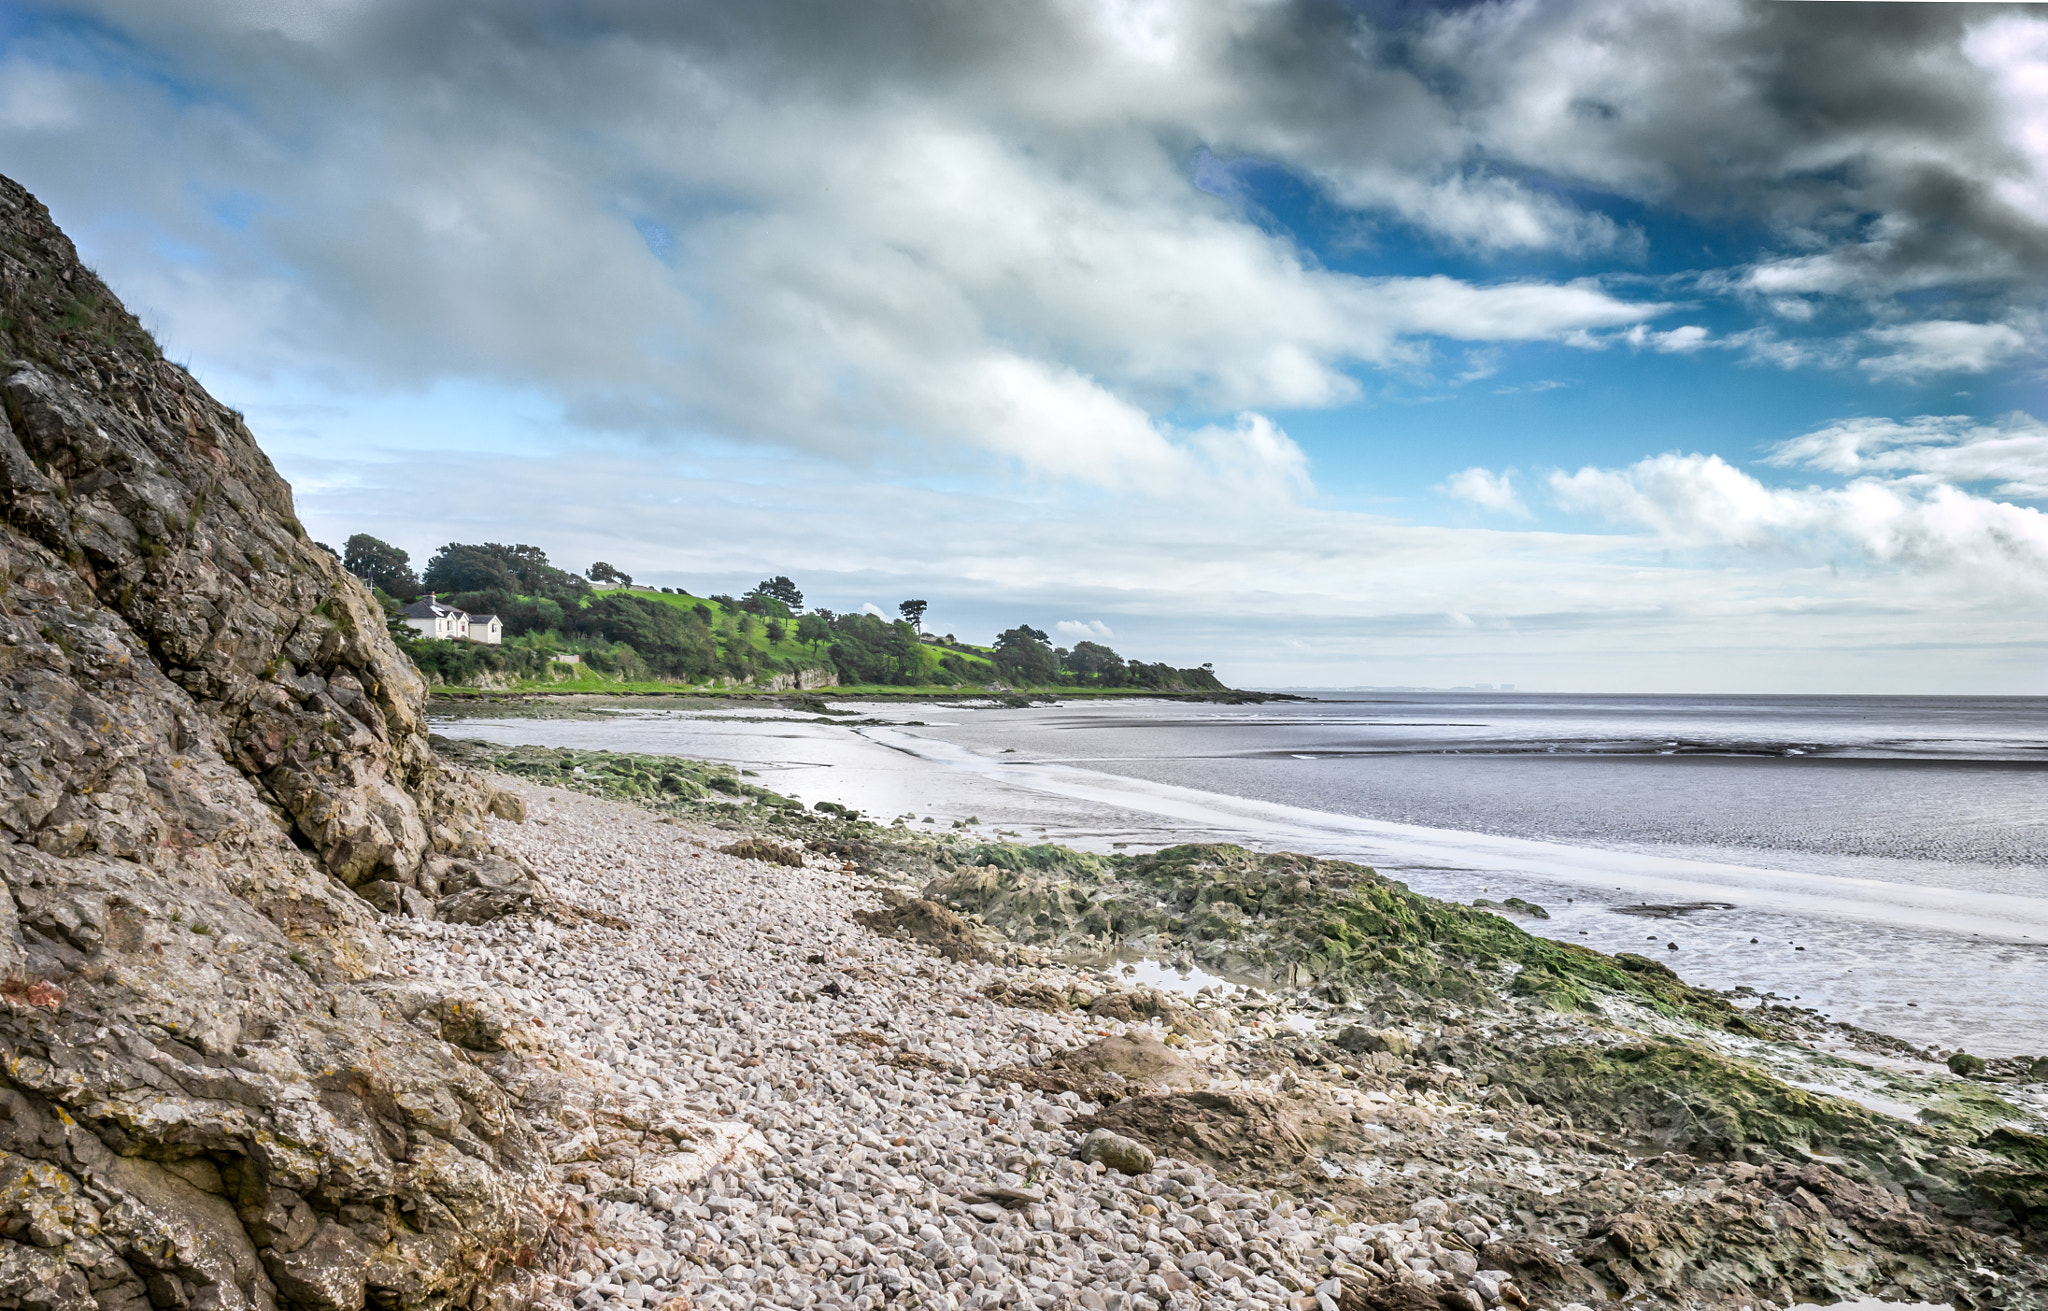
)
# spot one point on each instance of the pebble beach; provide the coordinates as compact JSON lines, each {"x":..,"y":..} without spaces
{"x":852,"y":1146}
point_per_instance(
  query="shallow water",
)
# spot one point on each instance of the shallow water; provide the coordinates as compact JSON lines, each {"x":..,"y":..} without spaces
{"x":1883,"y":860}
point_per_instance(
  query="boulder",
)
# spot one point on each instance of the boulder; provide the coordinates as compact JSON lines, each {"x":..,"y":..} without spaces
{"x":1117,"y":1152}
{"x":1110,"y":1069}
{"x":1139,"y":1004}
{"x":920,"y":920}
{"x":1359,"y":1040}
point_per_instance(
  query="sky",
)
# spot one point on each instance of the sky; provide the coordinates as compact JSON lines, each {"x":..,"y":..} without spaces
{"x":1675,"y":345}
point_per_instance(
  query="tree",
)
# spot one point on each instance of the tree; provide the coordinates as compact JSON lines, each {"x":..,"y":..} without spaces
{"x":601,"y":573}
{"x":814,"y":628}
{"x":672,"y":643}
{"x":381,"y":565}
{"x":494,"y":567}
{"x":1094,"y":663}
{"x":1024,"y":655}
{"x":781,"y":589}
{"x":914,"y":612}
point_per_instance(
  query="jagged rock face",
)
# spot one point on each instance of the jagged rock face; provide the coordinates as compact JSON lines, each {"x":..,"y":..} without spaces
{"x":207,"y":739}
{"x":157,"y":499}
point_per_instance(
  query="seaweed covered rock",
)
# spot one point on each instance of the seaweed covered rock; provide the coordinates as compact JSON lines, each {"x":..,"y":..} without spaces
{"x":927,"y":922}
{"x":1297,"y":921}
{"x":208,"y":740}
{"x":665,"y":784}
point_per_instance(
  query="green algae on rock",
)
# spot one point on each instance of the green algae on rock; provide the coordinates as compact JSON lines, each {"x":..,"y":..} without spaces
{"x":1296,"y":921}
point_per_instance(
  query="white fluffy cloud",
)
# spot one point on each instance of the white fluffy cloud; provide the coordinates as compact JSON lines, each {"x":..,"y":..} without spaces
{"x":1276,"y":595}
{"x":1902,"y":505}
{"x":772,"y":225}
{"x":1486,"y":489}
{"x":967,"y":234}
{"x":2011,"y":453}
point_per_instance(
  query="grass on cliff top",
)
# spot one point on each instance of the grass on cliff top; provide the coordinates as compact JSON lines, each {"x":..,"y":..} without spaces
{"x":48,"y":314}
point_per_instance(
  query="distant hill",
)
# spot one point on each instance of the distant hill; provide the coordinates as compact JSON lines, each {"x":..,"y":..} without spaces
{"x":564,"y":633}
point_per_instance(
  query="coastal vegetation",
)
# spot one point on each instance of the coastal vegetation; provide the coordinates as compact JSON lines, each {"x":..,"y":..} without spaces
{"x":566,"y":632}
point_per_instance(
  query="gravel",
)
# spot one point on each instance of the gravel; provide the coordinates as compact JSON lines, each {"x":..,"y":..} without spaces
{"x":775,"y":1106}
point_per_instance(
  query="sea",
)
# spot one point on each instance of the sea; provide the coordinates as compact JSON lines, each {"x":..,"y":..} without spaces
{"x":1882,"y":860}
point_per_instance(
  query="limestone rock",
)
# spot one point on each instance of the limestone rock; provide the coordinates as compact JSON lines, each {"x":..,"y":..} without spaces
{"x":1117,"y":1152}
{"x":207,"y":739}
{"x":1358,"y":1039}
{"x":928,"y":922}
{"x":1143,"y":1003}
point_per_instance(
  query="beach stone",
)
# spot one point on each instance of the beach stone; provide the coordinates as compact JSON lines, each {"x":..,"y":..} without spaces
{"x":1117,"y":1152}
{"x":509,"y":806}
{"x":1964,"y":1064}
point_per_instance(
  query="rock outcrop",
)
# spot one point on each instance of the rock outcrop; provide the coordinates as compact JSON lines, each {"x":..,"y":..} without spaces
{"x":209,"y":747}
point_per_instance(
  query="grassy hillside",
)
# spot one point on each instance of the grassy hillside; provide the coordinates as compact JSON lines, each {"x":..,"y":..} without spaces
{"x":562,"y":633}
{"x":733,"y":624}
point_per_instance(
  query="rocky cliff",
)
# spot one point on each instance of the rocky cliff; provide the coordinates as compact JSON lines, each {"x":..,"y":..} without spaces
{"x":213,"y":773}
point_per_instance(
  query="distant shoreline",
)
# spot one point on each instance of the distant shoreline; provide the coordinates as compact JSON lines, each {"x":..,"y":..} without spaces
{"x":814,"y":699}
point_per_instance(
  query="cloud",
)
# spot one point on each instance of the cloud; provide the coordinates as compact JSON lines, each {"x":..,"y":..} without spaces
{"x":1678,"y":341}
{"x":1702,"y":500}
{"x":1486,"y":489}
{"x":1942,"y":346}
{"x":969,"y":237}
{"x":772,"y":225}
{"x":1883,"y":156}
{"x":2011,"y":452}
{"x":1092,"y":630}
{"x":1033,"y":282}
{"x":1364,"y":599}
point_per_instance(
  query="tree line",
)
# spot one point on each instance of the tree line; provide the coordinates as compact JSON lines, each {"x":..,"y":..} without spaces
{"x":671,"y":636}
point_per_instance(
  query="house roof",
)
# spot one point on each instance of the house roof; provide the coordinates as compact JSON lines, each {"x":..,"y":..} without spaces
{"x":483,"y":619}
{"x":431,"y":609}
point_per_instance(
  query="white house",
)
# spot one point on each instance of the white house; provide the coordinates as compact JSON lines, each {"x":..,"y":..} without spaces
{"x":430,"y":618}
